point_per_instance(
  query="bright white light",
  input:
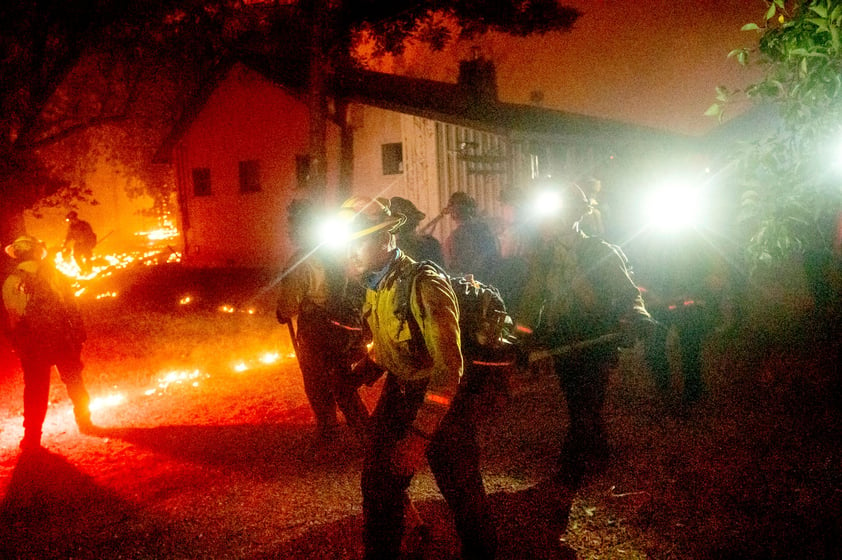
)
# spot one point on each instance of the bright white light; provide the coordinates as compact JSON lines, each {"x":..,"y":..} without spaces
{"x":240,"y":367}
{"x":106,"y":402}
{"x":334,"y":232}
{"x":270,"y":357}
{"x":674,"y":208}
{"x":546,"y":203}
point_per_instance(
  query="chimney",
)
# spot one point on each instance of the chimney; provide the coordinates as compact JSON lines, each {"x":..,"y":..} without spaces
{"x":478,"y":78}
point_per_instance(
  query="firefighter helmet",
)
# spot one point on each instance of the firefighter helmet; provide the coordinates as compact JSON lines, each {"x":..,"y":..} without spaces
{"x":368,"y":215}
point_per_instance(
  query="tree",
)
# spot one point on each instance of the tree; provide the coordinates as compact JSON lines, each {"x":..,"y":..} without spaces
{"x":335,"y":26}
{"x":81,"y":80}
{"x":791,"y":179}
{"x":91,"y":77}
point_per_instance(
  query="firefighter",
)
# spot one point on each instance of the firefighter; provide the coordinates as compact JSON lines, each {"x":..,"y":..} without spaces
{"x":422,"y":410}
{"x":79,"y":241}
{"x":685,"y":281}
{"x":419,"y":246}
{"x":473,"y":247}
{"x":46,"y":329}
{"x":580,"y":302}
{"x":328,"y":340}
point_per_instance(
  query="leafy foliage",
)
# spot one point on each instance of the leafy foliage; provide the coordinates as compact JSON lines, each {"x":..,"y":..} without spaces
{"x":85,"y":81}
{"x":791,"y":179}
{"x":390,"y":23}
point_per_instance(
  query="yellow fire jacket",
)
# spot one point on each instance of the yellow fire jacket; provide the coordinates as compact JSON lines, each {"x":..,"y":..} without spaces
{"x":434,"y":307}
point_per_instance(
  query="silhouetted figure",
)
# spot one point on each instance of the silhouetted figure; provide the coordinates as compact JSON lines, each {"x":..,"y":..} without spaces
{"x":79,"y":241}
{"x":685,"y":282}
{"x":472,"y":248}
{"x":46,"y":330}
{"x":421,"y":247}
{"x":580,"y":295}
{"x":592,"y":223}
{"x":329,"y":334}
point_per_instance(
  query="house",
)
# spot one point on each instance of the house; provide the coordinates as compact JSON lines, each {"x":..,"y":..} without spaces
{"x":240,"y":155}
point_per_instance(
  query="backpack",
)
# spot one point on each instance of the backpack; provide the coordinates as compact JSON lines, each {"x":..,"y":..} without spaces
{"x":484,"y":323}
{"x":48,"y":322}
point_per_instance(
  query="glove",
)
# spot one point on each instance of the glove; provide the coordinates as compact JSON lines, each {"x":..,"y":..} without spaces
{"x":409,"y":453}
{"x":367,"y":371}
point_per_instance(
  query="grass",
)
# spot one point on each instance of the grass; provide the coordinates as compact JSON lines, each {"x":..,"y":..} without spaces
{"x":216,"y":470}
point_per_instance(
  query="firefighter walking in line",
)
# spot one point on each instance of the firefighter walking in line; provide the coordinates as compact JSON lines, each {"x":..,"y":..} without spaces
{"x":422,"y":409}
{"x":329,"y":337}
{"x":46,"y":329}
{"x":579,"y":294}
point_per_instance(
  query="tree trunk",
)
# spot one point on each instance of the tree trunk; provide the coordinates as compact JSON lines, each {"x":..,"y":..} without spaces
{"x":317,"y":101}
{"x":346,"y":151}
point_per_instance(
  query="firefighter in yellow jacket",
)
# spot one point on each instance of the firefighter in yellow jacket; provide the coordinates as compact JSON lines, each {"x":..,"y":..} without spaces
{"x":45,"y":329}
{"x":422,"y":410}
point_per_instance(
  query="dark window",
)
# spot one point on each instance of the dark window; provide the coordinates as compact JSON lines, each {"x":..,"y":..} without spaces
{"x":302,"y":171}
{"x":392,"y":158}
{"x":201,"y":181}
{"x":249,"y":176}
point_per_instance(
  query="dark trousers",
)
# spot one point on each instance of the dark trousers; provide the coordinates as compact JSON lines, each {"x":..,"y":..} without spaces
{"x":583,"y":378}
{"x":36,"y":391}
{"x":693,"y":325}
{"x":328,"y":383}
{"x":453,"y":456}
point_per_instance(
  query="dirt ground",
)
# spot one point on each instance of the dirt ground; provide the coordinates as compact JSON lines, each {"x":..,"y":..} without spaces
{"x":203,"y":455}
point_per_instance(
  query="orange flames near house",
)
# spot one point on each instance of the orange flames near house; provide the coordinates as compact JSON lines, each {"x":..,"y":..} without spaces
{"x":156,"y":251}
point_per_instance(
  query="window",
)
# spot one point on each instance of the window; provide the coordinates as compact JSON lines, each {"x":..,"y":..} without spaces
{"x":392,"y":158}
{"x":201,"y":181}
{"x":302,"y":171}
{"x":250,"y":176}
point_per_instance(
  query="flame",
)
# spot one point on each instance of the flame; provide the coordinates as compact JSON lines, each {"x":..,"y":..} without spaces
{"x":111,"y":400}
{"x":175,"y":378}
{"x":270,"y":358}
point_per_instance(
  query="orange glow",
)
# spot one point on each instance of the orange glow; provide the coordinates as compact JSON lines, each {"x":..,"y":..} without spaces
{"x":185,"y":300}
{"x":107,"y":402}
{"x":159,"y":234}
{"x":240,"y":367}
{"x":176,"y":378}
{"x":113,"y":262}
{"x":270,"y":358}
{"x":227,"y":308}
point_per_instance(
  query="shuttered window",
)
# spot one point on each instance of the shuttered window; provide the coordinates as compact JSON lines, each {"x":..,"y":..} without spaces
{"x":201,"y":181}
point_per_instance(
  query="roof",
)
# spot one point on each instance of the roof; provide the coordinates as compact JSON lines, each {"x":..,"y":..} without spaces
{"x":293,"y":74}
{"x":446,"y":102}
{"x":455,"y":103}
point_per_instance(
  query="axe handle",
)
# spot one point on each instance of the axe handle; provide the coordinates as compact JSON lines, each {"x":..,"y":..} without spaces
{"x":538,"y":355}
{"x":292,"y":336}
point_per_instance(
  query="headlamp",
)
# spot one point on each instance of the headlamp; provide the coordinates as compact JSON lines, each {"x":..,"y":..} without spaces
{"x":335,"y":232}
{"x":674,"y":208}
{"x":546,"y":202}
